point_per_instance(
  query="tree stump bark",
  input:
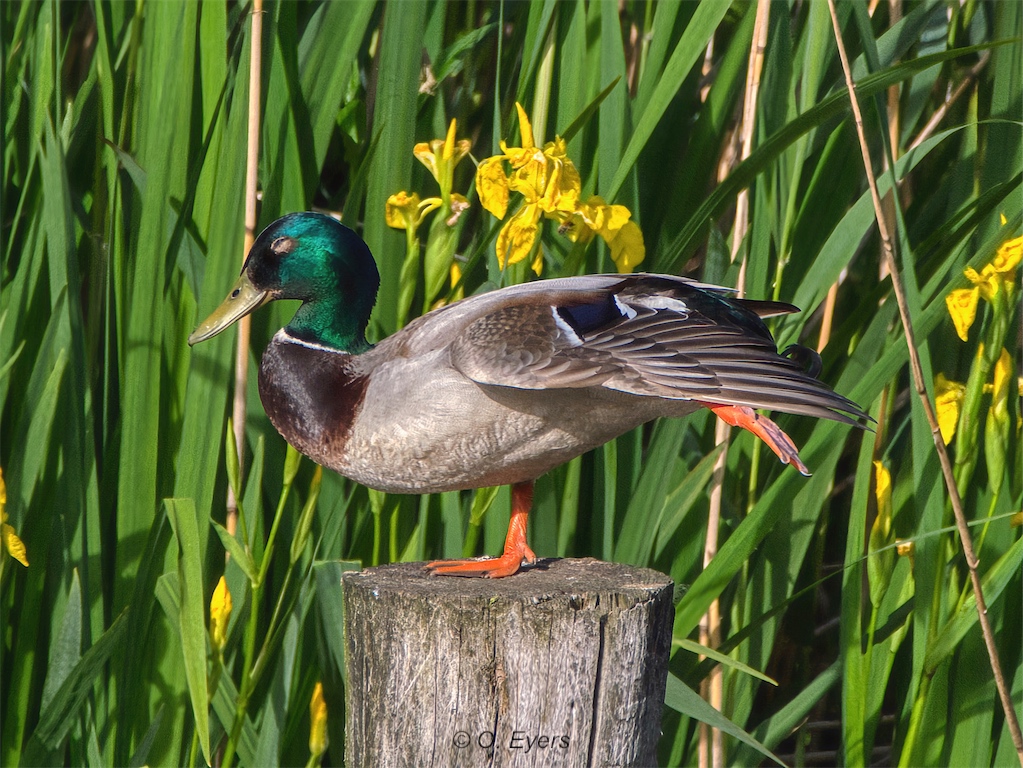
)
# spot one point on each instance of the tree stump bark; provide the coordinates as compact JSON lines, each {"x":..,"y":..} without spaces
{"x":563,"y":665}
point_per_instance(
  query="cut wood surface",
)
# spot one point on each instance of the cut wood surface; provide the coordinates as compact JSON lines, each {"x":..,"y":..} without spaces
{"x":564,"y":664}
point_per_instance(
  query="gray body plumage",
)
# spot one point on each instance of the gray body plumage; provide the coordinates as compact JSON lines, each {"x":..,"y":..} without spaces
{"x":502,"y":387}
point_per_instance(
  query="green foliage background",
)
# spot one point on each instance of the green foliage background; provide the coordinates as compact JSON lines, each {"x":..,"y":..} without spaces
{"x":122,"y":206}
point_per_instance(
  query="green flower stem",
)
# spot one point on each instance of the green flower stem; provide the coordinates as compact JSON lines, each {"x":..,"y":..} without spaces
{"x":754,"y":474}
{"x":248,"y":682}
{"x":472,"y":538}
{"x":967,"y":442}
{"x":270,"y":638}
{"x":377,"y":533}
{"x":234,"y":480}
{"x":409,"y":276}
{"x":915,"y":720}
{"x":966,"y":590}
{"x":868,"y":656}
{"x":377,"y":500}
{"x":574,"y":260}
{"x":440,"y":252}
{"x":966,"y":432}
{"x":935,"y":625}
{"x":193,"y":753}
{"x":481,"y":502}
{"x":264,"y":566}
{"x":392,"y":538}
{"x":242,"y":702}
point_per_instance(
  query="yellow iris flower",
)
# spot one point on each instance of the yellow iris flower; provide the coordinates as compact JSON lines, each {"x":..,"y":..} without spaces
{"x":407,"y":211}
{"x":611,"y":222}
{"x":10,"y":539}
{"x":1001,"y":271}
{"x":962,"y":308}
{"x":220,"y":616}
{"x":1000,"y":381}
{"x":948,"y":396}
{"x":441,"y":156}
{"x":883,"y":493}
{"x":317,"y":723}
{"x":550,"y":186}
{"x":882,"y":560}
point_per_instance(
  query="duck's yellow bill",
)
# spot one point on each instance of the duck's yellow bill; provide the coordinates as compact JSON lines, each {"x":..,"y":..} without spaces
{"x":243,"y":299}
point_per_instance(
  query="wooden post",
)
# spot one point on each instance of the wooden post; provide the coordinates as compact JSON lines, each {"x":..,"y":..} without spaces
{"x":564,"y":664}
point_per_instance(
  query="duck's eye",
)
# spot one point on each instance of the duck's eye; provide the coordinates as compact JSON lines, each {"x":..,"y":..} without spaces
{"x":283,"y":245}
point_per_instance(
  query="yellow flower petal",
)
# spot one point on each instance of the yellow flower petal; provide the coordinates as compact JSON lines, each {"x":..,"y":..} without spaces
{"x":220,"y":615}
{"x":402,"y":210}
{"x":8,"y":536}
{"x":905,"y":548}
{"x":456,"y":275}
{"x":317,"y":722}
{"x":525,"y":128}
{"x":948,"y":396}
{"x":424,"y":153}
{"x":575,"y":228}
{"x":882,"y":560}
{"x":13,"y":544}
{"x":883,"y":493}
{"x":492,"y":186}
{"x":517,"y":236}
{"x":987,"y":281}
{"x":1016,"y":520}
{"x":537,"y":265}
{"x":449,"y":141}
{"x":627,"y":247}
{"x":426,"y":206}
{"x":462,"y":147}
{"x":615,"y":217}
{"x":592,"y":212}
{"x":563,"y":185}
{"x":517,"y":156}
{"x":1008,"y":256}
{"x":529,"y":178}
{"x":1000,"y":385}
{"x":440,"y":156}
{"x":603,"y":218}
{"x":962,"y":307}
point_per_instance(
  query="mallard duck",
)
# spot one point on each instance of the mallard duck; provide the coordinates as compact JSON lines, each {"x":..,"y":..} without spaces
{"x":501,"y":387}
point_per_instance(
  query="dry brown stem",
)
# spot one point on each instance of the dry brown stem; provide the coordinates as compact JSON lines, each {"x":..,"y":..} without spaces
{"x":916,"y":369}
{"x":241,"y":358}
{"x":711,"y":744}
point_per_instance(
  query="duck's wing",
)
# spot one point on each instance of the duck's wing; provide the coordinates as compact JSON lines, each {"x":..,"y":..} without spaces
{"x":653,"y":336}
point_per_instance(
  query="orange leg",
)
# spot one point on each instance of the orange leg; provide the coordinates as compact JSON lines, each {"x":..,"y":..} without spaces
{"x":762,"y":427}
{"x":515,"y":547}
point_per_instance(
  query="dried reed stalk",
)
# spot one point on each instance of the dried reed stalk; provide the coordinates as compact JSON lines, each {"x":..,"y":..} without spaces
{"x":888,"y":253}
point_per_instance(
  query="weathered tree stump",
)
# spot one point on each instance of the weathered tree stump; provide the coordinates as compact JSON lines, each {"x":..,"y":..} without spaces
{"x":564,"y":665}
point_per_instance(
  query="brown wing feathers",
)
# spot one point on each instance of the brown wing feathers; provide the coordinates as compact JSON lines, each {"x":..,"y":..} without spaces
{"x":653,"y":337}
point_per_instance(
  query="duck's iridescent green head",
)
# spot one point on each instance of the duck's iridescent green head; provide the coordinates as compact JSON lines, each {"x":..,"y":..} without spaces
{"x":317,"y":260}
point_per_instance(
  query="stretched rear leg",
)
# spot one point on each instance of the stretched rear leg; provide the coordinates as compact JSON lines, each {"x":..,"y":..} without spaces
{"x":761,"y":426}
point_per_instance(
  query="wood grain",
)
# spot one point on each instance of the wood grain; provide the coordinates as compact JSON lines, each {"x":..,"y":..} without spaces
{"x":564,"y":664}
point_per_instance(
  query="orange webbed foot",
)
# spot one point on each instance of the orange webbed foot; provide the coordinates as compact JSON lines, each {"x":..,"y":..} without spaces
{"x":507,"y":564}
{"x":761,"y":426}
{"x":516,"y":550}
